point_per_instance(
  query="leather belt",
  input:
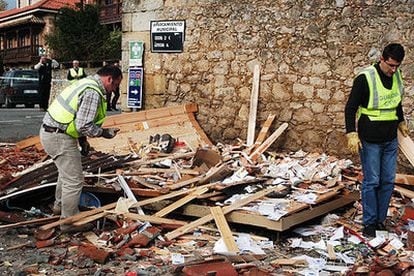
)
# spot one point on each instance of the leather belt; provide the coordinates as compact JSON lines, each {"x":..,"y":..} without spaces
{"x":52,"y":129}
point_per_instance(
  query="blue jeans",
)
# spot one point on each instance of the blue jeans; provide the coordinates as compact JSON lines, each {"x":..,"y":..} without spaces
{"x":379,"y":163}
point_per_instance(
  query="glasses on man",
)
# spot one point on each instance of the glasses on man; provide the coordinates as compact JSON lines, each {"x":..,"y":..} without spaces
{"x":393,"y":66}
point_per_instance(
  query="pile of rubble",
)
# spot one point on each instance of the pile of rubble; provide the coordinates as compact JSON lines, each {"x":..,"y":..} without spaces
{"x":150,"y":224}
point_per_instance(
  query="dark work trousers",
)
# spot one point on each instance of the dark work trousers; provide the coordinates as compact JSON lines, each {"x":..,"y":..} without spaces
{"x":44,"y":90}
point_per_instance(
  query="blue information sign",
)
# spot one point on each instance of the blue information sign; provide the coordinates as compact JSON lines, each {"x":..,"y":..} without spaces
{"x":135,"y":77}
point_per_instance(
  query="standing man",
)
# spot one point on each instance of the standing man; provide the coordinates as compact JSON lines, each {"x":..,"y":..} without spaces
{"x":45,"y":67}
{"x":76,"y":72}
{"x":112,"y":103}
{"x":77,"y":112}
{"x":375,"y":100}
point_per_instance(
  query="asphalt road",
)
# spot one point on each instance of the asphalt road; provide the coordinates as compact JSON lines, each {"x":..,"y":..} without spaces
{"x":19,"y":123}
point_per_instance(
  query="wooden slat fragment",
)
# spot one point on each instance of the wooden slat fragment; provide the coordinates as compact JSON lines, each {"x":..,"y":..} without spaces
{"x":404,"y":191}
{"x":29,"y":222}
{"x":405,"y":179}
{"x":254,"y":98}
{"x":224,"y":229}
{"x":268,"y":142}
{"x":407,"y":147}
{"x":177,"y":204}
{"x":153,"y":219}
{"x":265,"y":129}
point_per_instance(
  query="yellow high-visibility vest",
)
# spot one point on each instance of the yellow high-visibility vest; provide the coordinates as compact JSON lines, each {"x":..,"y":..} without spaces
{"x":383,"y":102}
{"x":65,"y":106}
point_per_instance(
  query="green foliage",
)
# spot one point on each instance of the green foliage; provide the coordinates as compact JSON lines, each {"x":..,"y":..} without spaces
{"x":79,"y":35}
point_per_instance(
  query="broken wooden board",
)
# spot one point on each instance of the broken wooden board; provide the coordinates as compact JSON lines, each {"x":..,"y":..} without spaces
{"x":407,"y":147}
{"x":268,"y":142}
{"x":254,"y":98}
{"x":224,"y":229}
{"x":248,"y":218}
{"x":137,"y":127}
{"x":405,"y":179}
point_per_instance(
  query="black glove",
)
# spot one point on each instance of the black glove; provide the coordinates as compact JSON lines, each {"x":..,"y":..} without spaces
{"x":109,"y":133}
{"x":84,"y":144}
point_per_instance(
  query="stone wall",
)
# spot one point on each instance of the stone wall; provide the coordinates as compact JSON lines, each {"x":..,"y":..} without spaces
{"x":309,"y":53}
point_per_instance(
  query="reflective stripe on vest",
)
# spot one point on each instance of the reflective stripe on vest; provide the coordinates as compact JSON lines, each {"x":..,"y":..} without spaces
{"x":65,"y":106}
{"x":382,"y":102}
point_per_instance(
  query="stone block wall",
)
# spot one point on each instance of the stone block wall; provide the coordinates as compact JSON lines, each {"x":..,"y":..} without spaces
{"x":308,"y":51}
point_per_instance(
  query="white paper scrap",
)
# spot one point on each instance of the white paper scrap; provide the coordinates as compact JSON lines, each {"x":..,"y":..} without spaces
{"x":396,"y":243}
{"x":177,"y":258}
{"x":338,"y":234}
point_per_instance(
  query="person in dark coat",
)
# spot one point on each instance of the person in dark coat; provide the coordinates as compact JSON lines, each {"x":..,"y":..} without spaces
{"x":45,"y":67}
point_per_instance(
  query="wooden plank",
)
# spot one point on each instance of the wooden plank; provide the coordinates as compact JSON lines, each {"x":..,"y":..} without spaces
{"x":156,"y":160}
{"x":77,"y":217}
{"x":406,"y":179}
{"x":224,"y":229}
{"x":177,"y":204}
{"x":153,"y":219}
{"x":294,"y":262}
{"x":28,"y":142}
{"x":29,"y":222}
{"x":407,"y":147}
{"x":184,"y":229}
{"x":268,"y":142}
{"x":150,"y":114}
{"x":265,"y":129}
{"x":199,"y":130}
{"x":184,"y":183}
{"x":141,"y":171}
{"x":404,"y":191}
{"x":254,"y":98}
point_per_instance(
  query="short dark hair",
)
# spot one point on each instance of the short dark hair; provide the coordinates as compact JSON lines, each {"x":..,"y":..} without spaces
{"x":110,"y":70}
{"x":394,"y":51}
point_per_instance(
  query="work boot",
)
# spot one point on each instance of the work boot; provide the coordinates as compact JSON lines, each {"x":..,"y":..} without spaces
{"x":381,"y":226}
{"x":65,"y":228}
{"x":369,"y":230}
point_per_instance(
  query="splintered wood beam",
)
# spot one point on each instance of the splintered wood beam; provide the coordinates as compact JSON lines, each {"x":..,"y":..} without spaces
{"x":153,"y":219}
{"x":156,"y":160}
{"x":184,"y":229}
{"x":177,"y":204}
{"x":268,"y":142}
{"x":404,"y":191}
{"x":265,"y":129}
{"x":29,"y":222}
{"x":224,"y":229}
{"x":254,"y":98}
{"x":405,"y":179}
{"x":407,"y":147}
{"x":81,"y":215}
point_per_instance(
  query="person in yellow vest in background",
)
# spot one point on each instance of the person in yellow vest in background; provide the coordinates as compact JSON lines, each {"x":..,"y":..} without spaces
{"x":76,"y":113}
{"x":76,"y":72}
{"x":375,"y":101}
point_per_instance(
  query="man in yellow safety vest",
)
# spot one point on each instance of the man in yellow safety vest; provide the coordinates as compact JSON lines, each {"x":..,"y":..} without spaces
{"x":77,"y":112}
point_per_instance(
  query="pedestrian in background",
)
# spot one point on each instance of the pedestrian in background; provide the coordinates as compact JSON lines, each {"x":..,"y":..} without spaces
{"x":45,"y":67}
{"x":76,"y":113}
{"x":112,"y":103}
{"x":375,"y":100}
{"x":76,"y":72}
